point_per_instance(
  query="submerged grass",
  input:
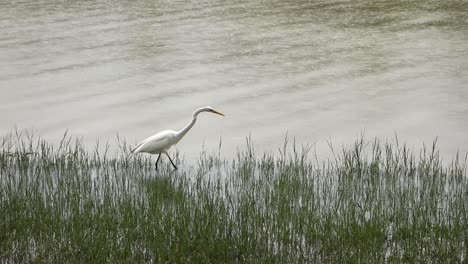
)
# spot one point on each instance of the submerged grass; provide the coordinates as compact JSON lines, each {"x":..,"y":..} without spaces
{"x":375,"y":202}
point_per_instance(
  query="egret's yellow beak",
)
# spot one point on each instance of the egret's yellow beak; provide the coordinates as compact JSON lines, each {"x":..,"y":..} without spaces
{"x":216,"y":112}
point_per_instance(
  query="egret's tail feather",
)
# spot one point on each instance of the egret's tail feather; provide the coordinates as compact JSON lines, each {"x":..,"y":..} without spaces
{"x":132,"y":151}
{"x":135,"y":149}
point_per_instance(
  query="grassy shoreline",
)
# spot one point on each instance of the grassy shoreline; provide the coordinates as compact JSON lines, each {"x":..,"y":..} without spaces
{"x":375,"y":202}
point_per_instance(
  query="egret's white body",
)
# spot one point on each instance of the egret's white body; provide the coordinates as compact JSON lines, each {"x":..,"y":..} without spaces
{"x":159,"y":143}
{"x":163,"y":141}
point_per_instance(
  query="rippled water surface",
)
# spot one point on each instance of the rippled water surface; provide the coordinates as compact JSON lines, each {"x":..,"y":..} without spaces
{"x":318,"y":70}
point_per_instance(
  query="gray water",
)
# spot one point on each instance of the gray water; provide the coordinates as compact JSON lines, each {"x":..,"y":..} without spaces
{"x":321,"y":71}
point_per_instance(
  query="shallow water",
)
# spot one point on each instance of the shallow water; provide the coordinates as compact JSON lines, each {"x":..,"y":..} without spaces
{"x":317,"y":70}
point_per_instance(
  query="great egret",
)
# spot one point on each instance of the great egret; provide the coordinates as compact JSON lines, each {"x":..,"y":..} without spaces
{"x":162,"y":141}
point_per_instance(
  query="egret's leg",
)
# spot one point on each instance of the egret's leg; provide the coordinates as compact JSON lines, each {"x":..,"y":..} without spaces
{"x":172,"y":162}
{"x":156,"y":164}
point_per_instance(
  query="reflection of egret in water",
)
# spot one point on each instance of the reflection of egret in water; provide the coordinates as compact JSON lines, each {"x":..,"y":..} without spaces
{"x":162,"y":141}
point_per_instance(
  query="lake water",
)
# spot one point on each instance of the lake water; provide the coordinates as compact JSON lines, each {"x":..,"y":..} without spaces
{"x":318,"y":70}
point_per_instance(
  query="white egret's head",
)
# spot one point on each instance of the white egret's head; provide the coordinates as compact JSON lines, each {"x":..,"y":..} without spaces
{"x":211,"y":110}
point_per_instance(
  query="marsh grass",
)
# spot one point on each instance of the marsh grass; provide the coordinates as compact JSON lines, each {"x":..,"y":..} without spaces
{"x":374,"y":202}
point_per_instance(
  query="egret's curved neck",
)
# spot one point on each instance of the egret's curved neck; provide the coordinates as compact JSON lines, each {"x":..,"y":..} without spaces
{"x":184,"y":130}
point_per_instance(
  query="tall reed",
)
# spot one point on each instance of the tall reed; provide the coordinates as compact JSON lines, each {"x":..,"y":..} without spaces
{"x":374,"y":202}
